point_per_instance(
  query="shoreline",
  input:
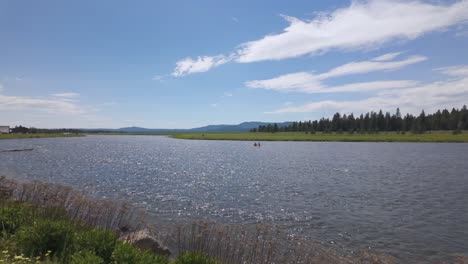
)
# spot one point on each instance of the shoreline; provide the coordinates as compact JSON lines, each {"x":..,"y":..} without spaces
{"x":39,"y":135}
{"x":428,"y":137}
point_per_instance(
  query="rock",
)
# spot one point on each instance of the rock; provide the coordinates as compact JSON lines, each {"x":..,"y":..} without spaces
{"x":145,"y":241}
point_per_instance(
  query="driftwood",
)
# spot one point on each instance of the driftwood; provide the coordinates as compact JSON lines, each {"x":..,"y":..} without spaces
{"x":16,"y":150}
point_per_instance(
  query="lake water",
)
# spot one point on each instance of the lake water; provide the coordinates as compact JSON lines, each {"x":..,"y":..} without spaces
{"x":409,"y":200}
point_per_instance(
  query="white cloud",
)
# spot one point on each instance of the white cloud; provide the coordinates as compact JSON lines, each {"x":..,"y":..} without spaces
{"x":313,"y":83}
{"x":359,"y":26}
{"x":201,"y":64}
{"x":227,"y":95}
{"x":1,"y":87}
{"x":370,"y":66}
{"x":362,"y":25}
{"x":387,"y":57}
{"x":58,"y":110}
{"x":430,"y":97}
{"x":456,"y":71}
{"x":49,"y":105}
{"x":66,"y":95}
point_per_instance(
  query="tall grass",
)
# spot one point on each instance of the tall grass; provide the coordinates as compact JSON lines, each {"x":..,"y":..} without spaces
{"x":233,"y":244}
{"x":107,"y":214}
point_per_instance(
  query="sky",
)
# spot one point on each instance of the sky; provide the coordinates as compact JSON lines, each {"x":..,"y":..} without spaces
{"x":184,"y":64}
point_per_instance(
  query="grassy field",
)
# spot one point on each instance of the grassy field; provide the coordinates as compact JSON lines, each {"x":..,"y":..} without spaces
{"x":16,"y":136}
{"x":346,"y":137}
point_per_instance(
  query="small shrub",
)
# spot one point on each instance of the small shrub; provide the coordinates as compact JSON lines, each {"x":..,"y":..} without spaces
{"x":127,"y":254}
{"x":86,"y":257}
{"x":98,"y":241}
{"x":194,"y":258}
{"x":42,"y":236}
{"x":11,"y":218}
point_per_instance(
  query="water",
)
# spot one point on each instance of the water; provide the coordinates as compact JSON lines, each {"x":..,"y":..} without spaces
{"x":409,"y":200}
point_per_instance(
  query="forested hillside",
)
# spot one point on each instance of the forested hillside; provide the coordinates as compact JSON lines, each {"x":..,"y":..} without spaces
{"x":371,"y":122}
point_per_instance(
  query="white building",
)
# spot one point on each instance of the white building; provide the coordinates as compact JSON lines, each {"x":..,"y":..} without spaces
{"x":4,"y":129}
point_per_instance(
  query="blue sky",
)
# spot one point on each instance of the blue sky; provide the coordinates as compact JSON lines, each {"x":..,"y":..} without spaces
{"x":182,"y":64}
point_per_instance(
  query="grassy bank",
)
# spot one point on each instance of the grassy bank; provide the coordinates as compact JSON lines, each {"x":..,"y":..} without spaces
{"x":41,"y":135}
{"x":346,"y":137}
{"x":35,"y":234}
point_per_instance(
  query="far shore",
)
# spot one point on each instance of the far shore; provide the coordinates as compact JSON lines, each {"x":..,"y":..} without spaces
{"x":429,"y":136}
{"x":39,"y":135}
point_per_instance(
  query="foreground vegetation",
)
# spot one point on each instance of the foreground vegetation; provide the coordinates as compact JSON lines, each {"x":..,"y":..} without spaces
{"x":347,"y":137}
{"x":40,"y":135}
{"x":36,"y":234}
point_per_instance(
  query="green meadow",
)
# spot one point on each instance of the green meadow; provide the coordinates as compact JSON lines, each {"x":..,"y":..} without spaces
{"x":346,"y":137}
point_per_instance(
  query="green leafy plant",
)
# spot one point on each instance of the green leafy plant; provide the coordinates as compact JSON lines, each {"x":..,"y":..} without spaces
{"x":43,"y":236}
{"x":98,"y":241}
{"x":195,"y":258}
{"x":86,"y":257}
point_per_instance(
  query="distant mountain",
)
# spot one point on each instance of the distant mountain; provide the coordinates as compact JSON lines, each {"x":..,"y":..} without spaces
{"x":242,"y":127}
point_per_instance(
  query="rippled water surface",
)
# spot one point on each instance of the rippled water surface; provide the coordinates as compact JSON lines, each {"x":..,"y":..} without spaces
{"x":406,"y":199}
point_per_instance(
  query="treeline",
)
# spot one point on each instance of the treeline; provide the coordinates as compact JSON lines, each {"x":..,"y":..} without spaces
{"x":373,"y":122}
{"x":31,"y":130}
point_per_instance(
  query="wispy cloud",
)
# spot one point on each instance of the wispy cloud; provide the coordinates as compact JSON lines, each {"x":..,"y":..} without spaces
{"x":50,"y":105}
{"x":200,"y":64}
{"x":313,"y":83}
{"x":57,"y":110}
{"x":360,"y":26}
{"x":456,"y":71}
{"x":158,"y":78}
{"x":431,"y":96}
{"x":371,"y":66}
{"x":387,"y":57}
{"x":227,"y":94}
{"x":461,"y":34}
{"x":66,"y":95}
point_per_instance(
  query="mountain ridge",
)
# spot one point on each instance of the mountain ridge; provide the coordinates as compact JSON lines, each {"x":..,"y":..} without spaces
{"x":242,"y":127}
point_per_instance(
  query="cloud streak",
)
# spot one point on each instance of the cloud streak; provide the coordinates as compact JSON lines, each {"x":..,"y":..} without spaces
{"x":49,"y":105}
{"x":313,"y":83}
{"x":66,"y":95}
{"x":201,"y":64}
{"x":431,"y":96}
